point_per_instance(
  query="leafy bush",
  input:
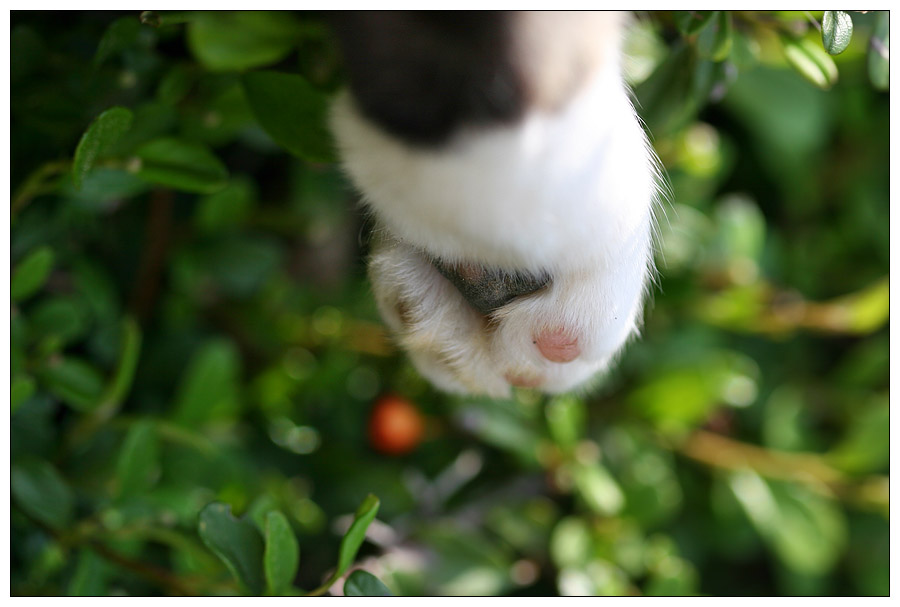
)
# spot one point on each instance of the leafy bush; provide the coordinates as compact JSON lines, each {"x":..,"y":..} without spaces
{"x":193,"y":336}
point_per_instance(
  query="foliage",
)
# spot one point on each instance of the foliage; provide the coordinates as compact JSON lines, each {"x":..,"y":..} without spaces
{"x":192,"y":334}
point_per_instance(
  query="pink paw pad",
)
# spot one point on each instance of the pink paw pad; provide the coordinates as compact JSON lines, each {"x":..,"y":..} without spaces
{"x":557,"y":346}
{"x":522,"y":380}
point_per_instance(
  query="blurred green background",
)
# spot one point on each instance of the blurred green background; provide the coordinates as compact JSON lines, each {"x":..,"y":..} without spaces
{"x":191,"y":325}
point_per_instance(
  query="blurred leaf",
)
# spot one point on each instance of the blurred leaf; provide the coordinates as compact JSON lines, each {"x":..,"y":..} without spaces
{"x":293,"y":112}
{"x":31,"y":273}
{"x":691,"y":22}
{"x":282,"y":553}
{"x":862,"y":312}
{"x":120,"y":35}
{"x":240,"y":40}
{"x":837,"y":29}
{"x":21,"y":389}
{"x":74,"y":381}
{"x":714,"y":41}
{"x":209,"y":386}
{"x":355,"y":535}
{"x":599,"y":490}
{"x":363,"y":583}
{"x":567,"y":420}
{"x":181,"y":165}
{"x":878,"y":59}
{"x":99,"y":137}
{"x":226,"y":209}
{"x":571,"y":544}
{"x":138,"y":459}
{"x":866,"y":445}
{"x":41,"y":492}
{"x":236,"y":541}
{"x":811,"y":60}
{"x":129,"y":354}
{"x":806,"y":531}
{"x":674,"y":577}
{"x":63,"y":319}
{"x":90,"y":577}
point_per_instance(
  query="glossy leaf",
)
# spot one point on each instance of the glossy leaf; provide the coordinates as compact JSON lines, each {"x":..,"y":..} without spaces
{"x":282,"y":553}
{"x":39,"y":490}
{"x":363,"y":583}
{"x":121,"y":34}
{"x":567,"y":420}
{"x":99,"y":137}
{"x":599,"y":490}
{"x":236,"y":541}
{"x":138,"y":459}
{"x":811,"y":61}
{"x":355,"y":535}
{"x":292,"y":112}
{"x":240,"y":40}
{"x":31,"y":273}
{"x":182,"y":165}
{"x":837,"y":30}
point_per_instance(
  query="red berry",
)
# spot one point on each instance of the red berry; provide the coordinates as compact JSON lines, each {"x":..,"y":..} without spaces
{"x":395,"y":425}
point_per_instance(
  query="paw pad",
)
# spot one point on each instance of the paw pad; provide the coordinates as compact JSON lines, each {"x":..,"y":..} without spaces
{"x":557,"y":346}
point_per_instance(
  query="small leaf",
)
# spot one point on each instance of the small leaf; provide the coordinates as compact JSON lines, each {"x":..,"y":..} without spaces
{"x":21,"y":389}
{"x":282,"y":553}
{"x":566,"y":420}
{"x":90,"y":577}
{"x":241,"y":40}
{"x":120,"y":383}
{"x":74,"y":381}
{"x":103,"y":133}
{"x":355,"y":535}
{"x":138,"y":459}
{"x":878,"y":59}
{"x":363,"y":583}
{"x":598,"y":489}
{"x":227,"y":208}
{"x":209,"y":386}
{"x":236,"y":541}
{"x":182,"y":165}
{"x":837,"y":29}
{"x":120,"y":35}
{"x":292,"y":112}
{"x":41,"y":492}
{"x":691,"y":22}
{"x":811,"y":60}
{"x":31,"y":274}
{"x":715,"y":40}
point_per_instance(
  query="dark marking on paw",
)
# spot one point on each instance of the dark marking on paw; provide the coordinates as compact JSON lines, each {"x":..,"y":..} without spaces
{"x":487,"y":289}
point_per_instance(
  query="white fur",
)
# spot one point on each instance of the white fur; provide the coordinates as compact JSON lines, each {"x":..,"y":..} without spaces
{"x":569,"y":192}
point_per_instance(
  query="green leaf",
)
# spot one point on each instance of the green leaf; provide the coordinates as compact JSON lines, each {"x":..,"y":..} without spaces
{"x":599,"y":490}
{"x":837,"y":29}
{"x":355,"y":535}
{"x":41,"y":492}
{"x":182,"y":165}
{"x":241,"y":40}
{"x":282,"y":553}
{"x":90,"y":577}
{"x":566,"y":420}
{"x":292,"y":112}
{"x":865,"y":448}
{"x":691,"y":22}
{"x":31,"y":274}
{"x":120,"y":35}
{"x":236,"y":541}
{"x":138,"y":459}
{"x":129,"y":354}
{"x":715,"y":40}
{"x":209,"y":387}
{"x":21,"y":389}
{"x":363,"y":583}
{"x":103,"y":133}
{"x":74,"y":381}
{"x":806,"y":531}
{"x":226,"y":209}
{"x":62,"y":318}
{"x":878,"y":58}
{"x":811,"y":60}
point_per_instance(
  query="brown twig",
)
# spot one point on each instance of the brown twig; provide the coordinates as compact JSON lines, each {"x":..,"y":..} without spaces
{"x":156,"y":245}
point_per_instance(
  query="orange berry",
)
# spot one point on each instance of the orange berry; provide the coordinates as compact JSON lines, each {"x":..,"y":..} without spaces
{"x":395,"y":425}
